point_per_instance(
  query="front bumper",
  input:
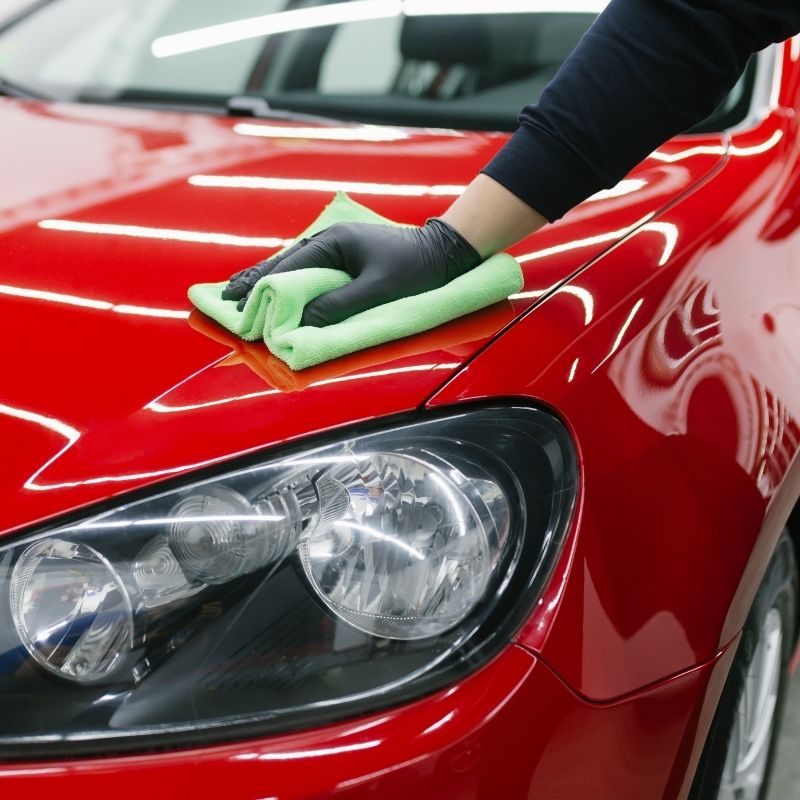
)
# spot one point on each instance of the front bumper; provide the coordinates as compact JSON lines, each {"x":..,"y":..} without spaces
{"x":512,"y":730}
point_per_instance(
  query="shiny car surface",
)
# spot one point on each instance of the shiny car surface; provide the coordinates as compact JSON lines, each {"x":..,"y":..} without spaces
{"x":617,"y":443}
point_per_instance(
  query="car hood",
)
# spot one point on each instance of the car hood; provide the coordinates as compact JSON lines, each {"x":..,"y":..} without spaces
{"x":108,"y":214}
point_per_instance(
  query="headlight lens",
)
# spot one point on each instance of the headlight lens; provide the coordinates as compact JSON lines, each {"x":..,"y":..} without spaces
{"x":413,"y":551}
{"x":71,"y":609}
{"x":322,"y":583}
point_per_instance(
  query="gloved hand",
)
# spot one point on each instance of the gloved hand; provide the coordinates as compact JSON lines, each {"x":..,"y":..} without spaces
{"x":385,"y":262}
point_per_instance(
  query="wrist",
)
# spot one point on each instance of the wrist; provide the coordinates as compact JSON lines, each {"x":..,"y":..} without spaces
{"x":490,"y":217}
{"x":453,"y":250}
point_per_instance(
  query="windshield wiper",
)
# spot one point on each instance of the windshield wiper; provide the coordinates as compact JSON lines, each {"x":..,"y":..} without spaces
{"x":13,"y":89}
{"x":247,"y":105}
{"x":235,"y":106}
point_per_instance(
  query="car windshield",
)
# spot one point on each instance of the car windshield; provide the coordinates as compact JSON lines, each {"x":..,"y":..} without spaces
{"x":447,"y":63}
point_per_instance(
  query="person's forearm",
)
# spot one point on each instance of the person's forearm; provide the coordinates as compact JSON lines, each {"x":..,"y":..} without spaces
{"x":644,"y":72}
{"x":490,"y":217}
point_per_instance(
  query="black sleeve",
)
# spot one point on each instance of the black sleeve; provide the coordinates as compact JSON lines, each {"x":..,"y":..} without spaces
{"x":644,"y":72}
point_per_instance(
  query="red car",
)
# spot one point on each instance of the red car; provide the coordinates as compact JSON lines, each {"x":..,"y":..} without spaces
{"x":547,"y":550}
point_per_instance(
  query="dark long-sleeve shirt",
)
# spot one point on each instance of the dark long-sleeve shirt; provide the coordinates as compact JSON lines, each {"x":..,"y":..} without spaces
{"x":644,"y":72}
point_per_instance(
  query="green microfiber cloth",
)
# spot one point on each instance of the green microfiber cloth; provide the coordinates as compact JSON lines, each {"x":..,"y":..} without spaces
{"x":275,"y":306}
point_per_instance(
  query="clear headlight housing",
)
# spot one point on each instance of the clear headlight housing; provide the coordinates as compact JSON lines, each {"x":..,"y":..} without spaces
{"x":321,"y":583}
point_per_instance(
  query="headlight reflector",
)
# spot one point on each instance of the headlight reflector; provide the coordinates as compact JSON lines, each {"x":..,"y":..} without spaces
{"x":411,"y":556}
{"x":71,"y":609}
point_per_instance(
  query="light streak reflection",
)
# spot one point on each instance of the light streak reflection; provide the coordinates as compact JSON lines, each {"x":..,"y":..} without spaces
{"x":157,"y":406}
{"x":719,"y":150}
{"x":87,"y":302}
{"x":355,"y":133}
{"x":573,"y":370}
{"x":135,"y":476}
{"x":667,"y":229}
{"x":268,"y":24}
{"x":670,"y":233}
{"x":292,"y":755}
{"x":67,"y":431}
{"x":303,"y":185}
{"x":161,"y":408}
{"x":372,"y":533}
{"x":622,"y":189}
{"x":55,"y":297}
{"x":150,"y":521}
{"x":382,"y":372}
{"x":144,"y":311}
{"x":357,"y":11}
{"x":140,"y":232}
{"x":8,"y":772}
{"x":455,"y":506}
{"x":413,"y":8}
{"x":440,"y":723}
{"x":577,"y":244}
{"x":757,"y":149}
{"x":584,"y":295}
{"x":700,"y":150}
{"x":622,"y":331}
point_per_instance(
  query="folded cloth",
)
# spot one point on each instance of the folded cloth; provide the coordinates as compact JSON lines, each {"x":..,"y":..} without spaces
{"x":275,"y":306}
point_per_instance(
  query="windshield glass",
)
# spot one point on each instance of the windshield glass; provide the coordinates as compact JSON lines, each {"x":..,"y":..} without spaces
{"x":451,"y":63}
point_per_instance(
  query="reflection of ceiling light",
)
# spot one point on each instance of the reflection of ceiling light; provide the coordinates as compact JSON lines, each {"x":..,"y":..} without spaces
{"x":719,"y":150}
{"x":146,"y":311}
{"x":584,"y":295}
{"x":88,"y":302}
{"x":622,"y":331}
{"x":67,"y":431}
{"x":161,"y":408}
{"x":356,"y":133}
{"x":303,"y":185}
{"x":419,"y":8}
{"x":757,"y":149}
{"x":620,"y":190}
{"x":700,"y":150}
{"x":283,"y":21}
{"x":573,"y":370}
{"x":576,"y":244}
{"x":55,"y":297}
{"x":138,"y":232}
{"x":356,"y":11}
{"x":670,"y":234}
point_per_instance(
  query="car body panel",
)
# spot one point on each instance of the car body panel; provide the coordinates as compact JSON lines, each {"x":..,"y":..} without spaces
{"x":511,"y":730}
{"x":103,"y":227}
{"x":691,"y":369}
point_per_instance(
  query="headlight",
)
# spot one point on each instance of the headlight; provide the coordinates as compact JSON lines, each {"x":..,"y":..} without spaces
{"x":319,"y":584}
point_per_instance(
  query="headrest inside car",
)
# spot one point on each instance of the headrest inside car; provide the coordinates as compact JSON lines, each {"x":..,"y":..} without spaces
{"x":531,"y":41}
{"x":446,"y":39}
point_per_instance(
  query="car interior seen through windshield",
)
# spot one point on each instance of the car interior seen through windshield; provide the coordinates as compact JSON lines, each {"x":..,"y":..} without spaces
{"x":433,"y":63}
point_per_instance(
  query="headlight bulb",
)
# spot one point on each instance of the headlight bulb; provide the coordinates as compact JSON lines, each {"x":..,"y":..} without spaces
{"x":217,"y":535}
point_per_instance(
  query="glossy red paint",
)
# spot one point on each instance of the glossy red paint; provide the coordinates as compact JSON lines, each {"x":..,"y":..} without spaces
{"x":102,"y":235}
{"x":683,"y":393}
{"x":639,"y":323}
{"x":511,"y":730}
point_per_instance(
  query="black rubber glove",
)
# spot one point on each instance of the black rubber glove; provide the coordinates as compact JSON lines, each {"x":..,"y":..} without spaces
{"x":385,"y":262}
